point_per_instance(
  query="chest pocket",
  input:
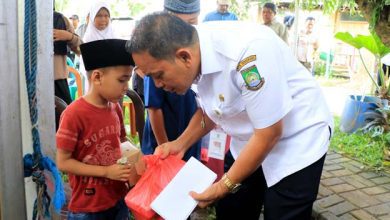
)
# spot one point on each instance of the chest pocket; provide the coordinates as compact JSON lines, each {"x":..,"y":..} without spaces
{"x":232,"y":108}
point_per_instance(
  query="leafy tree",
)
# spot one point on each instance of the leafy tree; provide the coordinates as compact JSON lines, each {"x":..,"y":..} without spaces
{"x":135,"y":8}
{"x":61,"y":5}
{"x":240,"y":8}
{"x":377,"y":12}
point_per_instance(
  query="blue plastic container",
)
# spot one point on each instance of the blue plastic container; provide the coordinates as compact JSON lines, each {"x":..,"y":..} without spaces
{"x":353,"y":116}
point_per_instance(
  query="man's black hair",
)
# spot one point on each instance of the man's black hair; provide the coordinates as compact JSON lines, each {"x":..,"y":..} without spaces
{"x":270,"y":6}
{"x":310,"y":18}
{"x":161,"y":35}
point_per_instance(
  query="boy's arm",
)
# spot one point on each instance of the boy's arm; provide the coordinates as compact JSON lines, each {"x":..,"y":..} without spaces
{"x":66,"y":163}
{"x":156,"y":118}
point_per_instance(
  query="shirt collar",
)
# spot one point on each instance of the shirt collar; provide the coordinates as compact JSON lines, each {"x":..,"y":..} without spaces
{"x":208,"y":56}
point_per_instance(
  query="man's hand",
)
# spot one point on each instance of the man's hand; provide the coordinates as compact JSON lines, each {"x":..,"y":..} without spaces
{"x":170,"y":148}
{"x":62,"y":35}
{"x":118,"y":172}
{"x":211,"y":194}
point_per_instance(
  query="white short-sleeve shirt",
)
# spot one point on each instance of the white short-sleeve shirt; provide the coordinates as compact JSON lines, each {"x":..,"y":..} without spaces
{"x":287,"y":91}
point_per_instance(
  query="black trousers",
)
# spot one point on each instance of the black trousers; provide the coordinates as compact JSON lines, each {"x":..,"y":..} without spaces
{"x":291,"y":198}
{"x":61,"y":90}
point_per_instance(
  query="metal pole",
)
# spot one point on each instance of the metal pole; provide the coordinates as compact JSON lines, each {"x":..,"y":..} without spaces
{"x":12,"y":195}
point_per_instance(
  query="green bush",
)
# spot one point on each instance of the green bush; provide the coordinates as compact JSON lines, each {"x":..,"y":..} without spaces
{"x":362,"y":147}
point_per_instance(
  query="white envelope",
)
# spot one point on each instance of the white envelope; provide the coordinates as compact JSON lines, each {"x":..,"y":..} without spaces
{"x":175,"y":202}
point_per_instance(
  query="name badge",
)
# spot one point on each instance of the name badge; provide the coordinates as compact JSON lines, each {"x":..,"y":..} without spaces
{"x":218,"y":144}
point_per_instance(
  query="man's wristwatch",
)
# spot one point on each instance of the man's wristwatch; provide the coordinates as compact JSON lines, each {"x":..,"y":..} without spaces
{"x":233,"y":188}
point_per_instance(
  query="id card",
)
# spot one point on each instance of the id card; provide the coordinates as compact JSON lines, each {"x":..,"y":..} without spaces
{"x":217,"y":144}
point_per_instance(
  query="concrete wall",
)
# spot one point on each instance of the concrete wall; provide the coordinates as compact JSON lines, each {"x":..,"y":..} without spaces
{"x":17,"y":194}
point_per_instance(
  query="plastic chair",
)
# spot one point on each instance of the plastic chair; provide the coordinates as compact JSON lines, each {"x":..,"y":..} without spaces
{"x":137,"y":113}
{"x":60,"y":106}
{"x":79,"y":82}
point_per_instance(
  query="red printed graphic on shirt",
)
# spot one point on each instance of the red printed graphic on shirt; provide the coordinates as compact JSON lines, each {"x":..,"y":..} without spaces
{"x":93,"y":136}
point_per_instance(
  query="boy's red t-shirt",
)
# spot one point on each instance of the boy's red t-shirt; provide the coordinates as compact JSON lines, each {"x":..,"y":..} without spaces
{"x":92,"y":134}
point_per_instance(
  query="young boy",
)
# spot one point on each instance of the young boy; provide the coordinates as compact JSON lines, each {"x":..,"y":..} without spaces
{"x":90,"y":132}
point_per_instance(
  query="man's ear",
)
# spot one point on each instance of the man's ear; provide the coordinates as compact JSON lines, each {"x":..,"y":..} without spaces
{"x":96,"y":77}
{"x":184,"y":55}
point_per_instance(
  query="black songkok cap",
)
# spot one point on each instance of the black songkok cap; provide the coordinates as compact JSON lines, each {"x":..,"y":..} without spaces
{"x":105,"y":53}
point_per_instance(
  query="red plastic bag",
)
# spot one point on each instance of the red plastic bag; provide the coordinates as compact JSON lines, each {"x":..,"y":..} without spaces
{"x":157,"y":175}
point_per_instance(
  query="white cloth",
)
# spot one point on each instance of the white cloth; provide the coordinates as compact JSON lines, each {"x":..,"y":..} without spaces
{"x":92,"y":33}
{"x":289,"y":92}
{"x":306,"y":44}
{"x":386,"y":59}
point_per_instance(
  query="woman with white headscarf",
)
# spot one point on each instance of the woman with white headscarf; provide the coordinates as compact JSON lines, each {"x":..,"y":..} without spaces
{"x":100,"y":28}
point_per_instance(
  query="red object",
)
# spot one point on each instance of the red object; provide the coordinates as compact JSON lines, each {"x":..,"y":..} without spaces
{"x":214,"y":164}
{"x":94,"y":142}
{"x":157,"y":175}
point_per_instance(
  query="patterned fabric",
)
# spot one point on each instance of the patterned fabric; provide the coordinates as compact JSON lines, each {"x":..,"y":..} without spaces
{"x":93,"y":136}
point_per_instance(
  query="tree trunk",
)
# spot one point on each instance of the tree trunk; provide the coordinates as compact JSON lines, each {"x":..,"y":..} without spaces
{"x":382,"y":26}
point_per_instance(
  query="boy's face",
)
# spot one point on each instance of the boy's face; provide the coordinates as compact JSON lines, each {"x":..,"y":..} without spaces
{"x":111,"y":83}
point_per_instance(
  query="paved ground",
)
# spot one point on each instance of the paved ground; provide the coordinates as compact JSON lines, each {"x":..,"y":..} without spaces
{"x":349,"y":191}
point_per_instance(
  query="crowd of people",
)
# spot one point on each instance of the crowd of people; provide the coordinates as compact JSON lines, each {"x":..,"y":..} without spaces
{"x":219,"y":78}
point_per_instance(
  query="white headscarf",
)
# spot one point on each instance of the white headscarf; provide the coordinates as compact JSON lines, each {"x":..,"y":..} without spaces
{"x":92,"y":33}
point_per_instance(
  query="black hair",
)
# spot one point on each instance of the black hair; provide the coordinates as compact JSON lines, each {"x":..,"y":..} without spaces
{"x":270,"y":6}
{"x":310,"y":18}
{"x":161,"y":35}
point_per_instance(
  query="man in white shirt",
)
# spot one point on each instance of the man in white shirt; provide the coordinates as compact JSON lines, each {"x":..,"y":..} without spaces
{"x":307,"y":44}
{"x":253,"y":88}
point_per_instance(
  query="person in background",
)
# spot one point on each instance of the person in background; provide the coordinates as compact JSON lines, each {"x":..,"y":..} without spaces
{"x":307,"y":44}
{"x":63,"y":38}
{"x":75,"y":21}
{"x":269,"y":19}
{"x":99,"y":29}
{"x":83,"y":27}
{"x":90,"y":133}
{"x":188,"y":10}
{"x":252,"y":87}
{"x":170,"y":113}
{"x":222,"y":13}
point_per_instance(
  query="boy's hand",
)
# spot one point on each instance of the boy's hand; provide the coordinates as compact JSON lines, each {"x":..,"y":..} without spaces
{"x":118,"y":172}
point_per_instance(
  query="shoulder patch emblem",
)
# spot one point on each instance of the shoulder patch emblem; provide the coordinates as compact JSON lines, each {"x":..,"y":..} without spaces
{"x":245,"y":61}
{"x":252,"y":78}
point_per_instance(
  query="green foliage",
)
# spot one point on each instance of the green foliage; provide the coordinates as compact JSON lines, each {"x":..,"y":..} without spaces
{"x":127,"y":9}
{"x":377,"y":10}
{"x":371,"y":42}
{"x":319,"y":68}
{"x":61,"y":5}
{"x":328,"y":6}
{"x":359,"y":146}
{"x":240,"y":9}
{"x":375,"y":46}
{"x":378,"y":121}
{"x":135,"y":8}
